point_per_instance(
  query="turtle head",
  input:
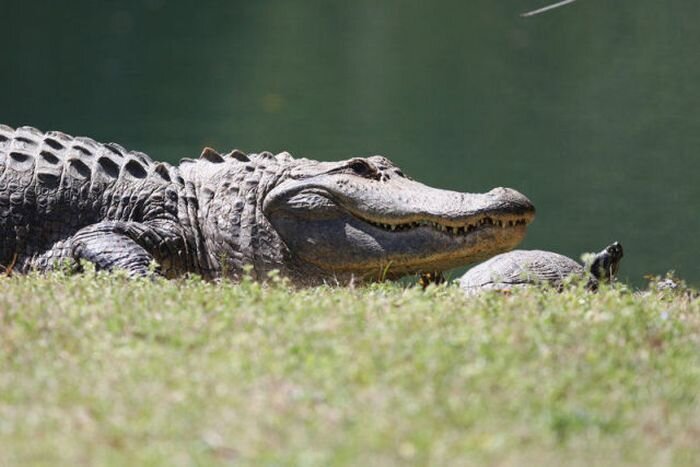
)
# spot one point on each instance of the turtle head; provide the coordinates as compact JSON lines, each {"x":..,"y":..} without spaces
{"x":606,"y":263}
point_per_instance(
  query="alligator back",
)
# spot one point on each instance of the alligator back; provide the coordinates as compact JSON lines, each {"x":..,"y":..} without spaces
{"x":52,"y":185}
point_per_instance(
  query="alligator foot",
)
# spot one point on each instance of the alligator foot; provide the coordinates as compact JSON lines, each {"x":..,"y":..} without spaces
{"x":118,"y":245}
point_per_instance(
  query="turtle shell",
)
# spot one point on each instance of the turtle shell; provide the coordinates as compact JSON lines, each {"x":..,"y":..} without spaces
{"x":519,"y":268}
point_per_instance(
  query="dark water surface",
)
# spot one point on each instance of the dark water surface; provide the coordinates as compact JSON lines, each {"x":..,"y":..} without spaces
{"x":592,"y":110}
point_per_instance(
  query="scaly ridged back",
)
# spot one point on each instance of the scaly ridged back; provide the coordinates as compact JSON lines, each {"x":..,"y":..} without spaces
{"x":52,"y":184}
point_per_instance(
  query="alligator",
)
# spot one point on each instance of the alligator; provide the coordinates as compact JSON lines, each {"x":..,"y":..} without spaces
{"x":69,"y":200}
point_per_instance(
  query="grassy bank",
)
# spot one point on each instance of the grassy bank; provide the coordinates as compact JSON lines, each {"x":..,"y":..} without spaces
{"x":110,"y":371}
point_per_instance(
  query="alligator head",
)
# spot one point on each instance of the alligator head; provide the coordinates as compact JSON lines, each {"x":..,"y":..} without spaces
{"x":363,"y":218}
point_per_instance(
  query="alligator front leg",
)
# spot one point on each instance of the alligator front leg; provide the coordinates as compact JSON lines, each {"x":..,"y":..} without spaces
{"x":130,"y":246}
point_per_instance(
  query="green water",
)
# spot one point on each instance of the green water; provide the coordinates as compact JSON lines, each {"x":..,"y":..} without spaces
{"x":592,"y":109}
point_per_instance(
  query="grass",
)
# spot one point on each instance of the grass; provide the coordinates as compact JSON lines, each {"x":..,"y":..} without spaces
{"x":108,"y":371}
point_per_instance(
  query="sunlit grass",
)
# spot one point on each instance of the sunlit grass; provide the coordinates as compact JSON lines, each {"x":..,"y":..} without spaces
{"x":104,"y":370}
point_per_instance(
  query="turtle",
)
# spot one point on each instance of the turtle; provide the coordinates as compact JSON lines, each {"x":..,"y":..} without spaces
{"x":520,"y":268}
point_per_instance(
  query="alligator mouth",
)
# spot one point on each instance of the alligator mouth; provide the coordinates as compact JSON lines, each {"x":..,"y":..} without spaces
{"x":464,"y":229}
{"x":517,"y":217}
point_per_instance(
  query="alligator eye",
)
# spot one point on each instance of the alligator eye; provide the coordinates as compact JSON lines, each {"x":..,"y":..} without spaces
{"x":361,"y":168}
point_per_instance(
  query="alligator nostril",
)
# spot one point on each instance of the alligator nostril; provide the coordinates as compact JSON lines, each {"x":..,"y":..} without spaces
{"x":513,"y":197}
{"x":509,"y":192}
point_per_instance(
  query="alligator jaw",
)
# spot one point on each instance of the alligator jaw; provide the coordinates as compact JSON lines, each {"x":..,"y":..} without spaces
{"x":429,"y":245}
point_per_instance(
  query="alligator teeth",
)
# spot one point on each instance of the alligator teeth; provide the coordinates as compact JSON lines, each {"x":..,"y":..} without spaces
{"x":459,"y":230}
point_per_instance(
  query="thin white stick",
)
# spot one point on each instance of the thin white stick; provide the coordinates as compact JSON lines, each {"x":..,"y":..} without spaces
{"x":547,"y":8}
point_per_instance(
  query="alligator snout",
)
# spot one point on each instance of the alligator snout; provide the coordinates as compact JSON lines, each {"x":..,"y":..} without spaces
{"x":516,"y":201}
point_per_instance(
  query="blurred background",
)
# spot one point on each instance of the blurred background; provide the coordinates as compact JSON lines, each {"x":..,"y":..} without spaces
{"x":592,"y":109}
